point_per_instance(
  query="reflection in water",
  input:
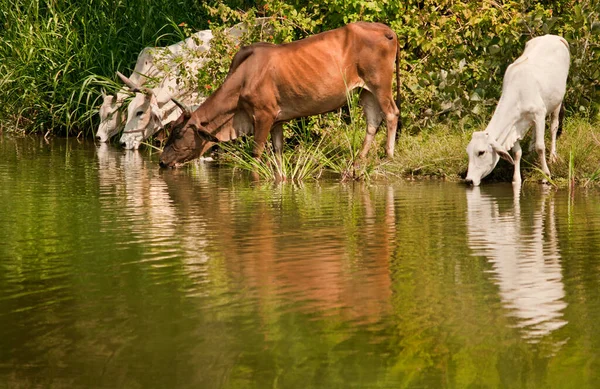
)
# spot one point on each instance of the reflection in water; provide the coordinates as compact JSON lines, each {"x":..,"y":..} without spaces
{"x":114,"y":273}
{"x":522,"y":247}
{"x":131,"y":190}
{"x":279,"y":250}
{"x":249,"y":253}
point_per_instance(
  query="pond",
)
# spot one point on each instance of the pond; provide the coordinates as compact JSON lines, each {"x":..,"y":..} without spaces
{"x":116,"y":274}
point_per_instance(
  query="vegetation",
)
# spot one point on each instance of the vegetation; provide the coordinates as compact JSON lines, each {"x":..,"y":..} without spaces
{"x":57,"y":56}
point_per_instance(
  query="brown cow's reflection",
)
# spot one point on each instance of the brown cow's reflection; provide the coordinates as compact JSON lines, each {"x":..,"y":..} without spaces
{"x":302,"y":247}
{"x":521,"y":244}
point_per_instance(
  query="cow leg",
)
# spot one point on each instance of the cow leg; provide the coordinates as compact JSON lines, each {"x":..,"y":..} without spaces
{"x":262,"y":128}
{"x":554,"y":123}
{"x":373,"y":118}
{"x":391,"y":112}
{"x":532,"y":142}
{"x":378,"y":80}
{"x":277,"y":141}
{"x":540,"y":147}
{"x":517,"y":153}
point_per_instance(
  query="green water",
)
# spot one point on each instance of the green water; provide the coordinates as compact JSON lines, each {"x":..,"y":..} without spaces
{"x":114,"y":274}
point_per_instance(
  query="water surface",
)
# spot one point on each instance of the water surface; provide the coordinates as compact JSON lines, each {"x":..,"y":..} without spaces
{"x":115,"y":274}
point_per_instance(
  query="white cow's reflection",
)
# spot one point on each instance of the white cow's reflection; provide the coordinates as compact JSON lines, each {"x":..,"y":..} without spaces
{"x":521,"y":244}
{"x":129,"y":185}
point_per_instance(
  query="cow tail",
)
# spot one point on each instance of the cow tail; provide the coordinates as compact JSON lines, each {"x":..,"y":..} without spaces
{"x":398,"y":99}
{"x":561,"y":117}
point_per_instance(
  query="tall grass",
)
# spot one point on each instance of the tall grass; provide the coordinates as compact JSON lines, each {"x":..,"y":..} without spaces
{"x":578,"y":155}
{"x":303,"y":162}
{"x":55,"y":55}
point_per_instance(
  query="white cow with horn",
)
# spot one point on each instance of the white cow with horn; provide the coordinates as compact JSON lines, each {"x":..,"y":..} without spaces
{"x":534,"y":87}
{"x":153,"y":108}
{"x":150,"y":65}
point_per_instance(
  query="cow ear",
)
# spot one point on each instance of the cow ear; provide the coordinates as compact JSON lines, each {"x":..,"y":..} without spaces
{"x":502,"y":152}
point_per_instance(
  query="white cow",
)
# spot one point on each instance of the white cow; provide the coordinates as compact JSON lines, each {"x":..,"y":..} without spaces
{"x":534,"y":86}
{"x":112,"y":117}
{"x":152,"y":109}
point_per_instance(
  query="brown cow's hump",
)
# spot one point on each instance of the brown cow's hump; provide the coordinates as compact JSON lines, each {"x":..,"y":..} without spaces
{"x":373,"y":27}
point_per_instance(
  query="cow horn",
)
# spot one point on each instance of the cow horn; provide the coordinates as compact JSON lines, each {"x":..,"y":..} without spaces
{"x":186,"y":110}
{"x":134,"y":87}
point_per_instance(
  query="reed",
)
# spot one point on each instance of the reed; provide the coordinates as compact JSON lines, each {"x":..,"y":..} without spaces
{"x":303,"y":162}
{"x":56,"y":56}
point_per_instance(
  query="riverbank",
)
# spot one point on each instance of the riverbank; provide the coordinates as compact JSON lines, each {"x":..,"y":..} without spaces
{"x":58,"y":58}
{"x":440,"y":152}
{"x":437,"y":152}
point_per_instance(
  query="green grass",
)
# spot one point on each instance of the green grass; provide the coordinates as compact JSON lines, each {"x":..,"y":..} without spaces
{"x":435,"y":152}
{"x":304,"y":162}
{"x":56,"y":56}
{"x":578,"y":154}
{"x":438,"y":152}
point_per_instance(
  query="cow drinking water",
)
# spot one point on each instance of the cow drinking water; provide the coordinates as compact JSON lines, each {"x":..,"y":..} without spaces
{"x":534,"y":86}
{"x":268,"y":85}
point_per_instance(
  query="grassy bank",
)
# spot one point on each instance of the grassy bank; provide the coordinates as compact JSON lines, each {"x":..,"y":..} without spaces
{"x":440,"y":152}
{"x":436,"y":152}
{"x":57,"y":56}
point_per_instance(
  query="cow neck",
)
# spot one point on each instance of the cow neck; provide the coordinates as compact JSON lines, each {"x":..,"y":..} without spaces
{"x":220,"y":107}
{"x":502,"y":125}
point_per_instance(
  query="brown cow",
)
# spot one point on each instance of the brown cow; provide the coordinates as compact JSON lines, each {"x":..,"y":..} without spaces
{"x":268,"y":85}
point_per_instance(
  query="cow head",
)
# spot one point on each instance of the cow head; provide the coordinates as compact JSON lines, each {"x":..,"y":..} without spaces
{"x":144,"y":115}
{"x":111,"y":117}
{"x":188,"y":139}
{"x":484,"y":153}
{"x":144,"y":118}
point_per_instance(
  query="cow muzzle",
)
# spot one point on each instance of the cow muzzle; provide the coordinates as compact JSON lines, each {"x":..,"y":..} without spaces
{"x":471,"y":182}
